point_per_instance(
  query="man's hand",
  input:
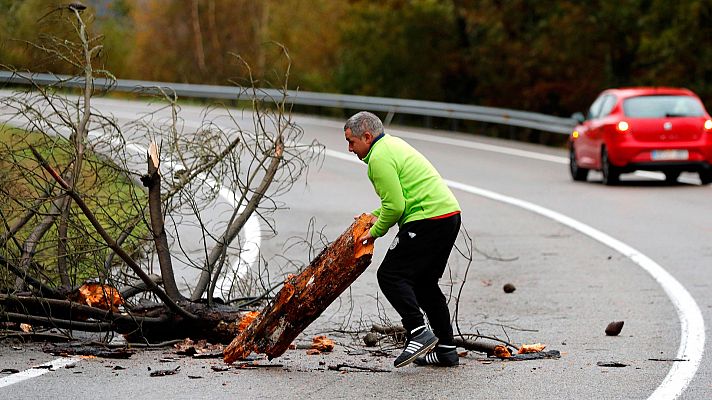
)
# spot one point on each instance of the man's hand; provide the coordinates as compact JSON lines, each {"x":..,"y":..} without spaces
{"x":366,"y":237}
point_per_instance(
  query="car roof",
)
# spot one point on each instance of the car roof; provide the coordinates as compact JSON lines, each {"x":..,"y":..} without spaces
{"x":648,"y":91}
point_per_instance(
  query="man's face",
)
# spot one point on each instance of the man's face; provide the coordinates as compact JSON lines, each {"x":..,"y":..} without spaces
{"x":359,"y":145}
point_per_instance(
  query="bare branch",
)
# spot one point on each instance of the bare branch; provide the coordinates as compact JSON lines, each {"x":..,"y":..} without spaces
{"x":109,"y":241}
{"x":237,"y":225}
{"x":10,"y":231}
{"x":153,"y":181}
{"x":30,"y":245}
{"x":42,"y":289}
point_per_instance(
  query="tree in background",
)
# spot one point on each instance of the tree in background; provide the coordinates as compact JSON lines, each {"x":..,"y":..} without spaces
{"x":309,"y":29}
{"x":117,"y":29}
{"x":529,"y":54}
{"x":175,"y":42}
{"x":29,"y":25}
{"x":396,"y":48}
{"x":190,"y":41}
{"x":551,"y":56}
{"x":675,"y":49}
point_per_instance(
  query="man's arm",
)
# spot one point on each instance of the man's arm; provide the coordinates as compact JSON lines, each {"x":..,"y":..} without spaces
{"x":388,"y":187}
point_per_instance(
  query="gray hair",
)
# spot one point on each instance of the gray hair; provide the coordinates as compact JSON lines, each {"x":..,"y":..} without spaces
{"x":362,"y":122}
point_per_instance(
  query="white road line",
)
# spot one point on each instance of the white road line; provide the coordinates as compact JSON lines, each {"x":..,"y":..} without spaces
{"x":692,"y":325}
{"x":521,"y":153}
{"x":38,"y":371}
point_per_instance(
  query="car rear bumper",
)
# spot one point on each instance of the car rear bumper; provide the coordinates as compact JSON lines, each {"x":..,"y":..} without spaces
{"x":628,"y":154}
{"x":681,"y":166}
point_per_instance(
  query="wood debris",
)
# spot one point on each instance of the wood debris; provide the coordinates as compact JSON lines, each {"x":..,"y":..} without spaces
{"x":614,"y":328}
{"x":531,"y":348}
{"x":614,"y":364}
{"x":501,"y":351}
{"x":165,"y":372}
{"x":88,"y":351}
{"x":199,"y":349}
{"x":354,"y":368}
{"x":535,"y":356}
{"x":322,"y":343}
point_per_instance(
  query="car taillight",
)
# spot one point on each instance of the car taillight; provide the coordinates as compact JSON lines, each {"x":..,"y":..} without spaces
{"x":708,"y":125}
{"x":622,"y":126}
{"x":575,"y":134}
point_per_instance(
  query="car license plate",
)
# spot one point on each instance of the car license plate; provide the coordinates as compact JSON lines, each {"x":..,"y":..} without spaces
{"x":669,"y":155}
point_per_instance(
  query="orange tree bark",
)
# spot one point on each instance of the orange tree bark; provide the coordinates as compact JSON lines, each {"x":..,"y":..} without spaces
{"x":305,"y":296}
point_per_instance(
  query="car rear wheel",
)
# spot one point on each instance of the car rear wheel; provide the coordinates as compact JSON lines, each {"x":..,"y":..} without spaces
{"x":671,"y":176}
{"x":577,"y":173}
{"x":706,"y":177}
{"x":611,"y":174}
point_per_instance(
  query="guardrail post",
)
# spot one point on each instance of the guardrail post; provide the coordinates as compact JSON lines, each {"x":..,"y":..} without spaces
{"x":389,"y":117}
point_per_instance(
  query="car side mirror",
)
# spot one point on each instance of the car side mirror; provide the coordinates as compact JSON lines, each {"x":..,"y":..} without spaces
{"x":578,"y":117}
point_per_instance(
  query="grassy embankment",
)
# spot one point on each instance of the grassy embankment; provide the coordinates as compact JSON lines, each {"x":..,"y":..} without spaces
{"x":114,"y":199}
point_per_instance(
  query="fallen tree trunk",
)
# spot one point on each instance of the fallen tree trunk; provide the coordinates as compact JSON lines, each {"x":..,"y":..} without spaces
{"x":142,"y":325}
{"x":305,"y":296}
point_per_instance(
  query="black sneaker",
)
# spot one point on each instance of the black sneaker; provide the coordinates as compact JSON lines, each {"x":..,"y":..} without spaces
{"x":415,"y":347}
{"x":442,"y":356}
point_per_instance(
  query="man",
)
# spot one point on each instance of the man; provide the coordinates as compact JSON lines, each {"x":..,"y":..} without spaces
{"x":414,"y":196}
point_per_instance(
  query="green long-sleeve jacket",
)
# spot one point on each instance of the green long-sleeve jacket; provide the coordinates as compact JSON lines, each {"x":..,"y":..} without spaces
{"x":409,"y":186}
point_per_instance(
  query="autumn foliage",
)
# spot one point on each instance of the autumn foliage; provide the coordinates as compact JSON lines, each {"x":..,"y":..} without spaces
{"x":546,"y":55}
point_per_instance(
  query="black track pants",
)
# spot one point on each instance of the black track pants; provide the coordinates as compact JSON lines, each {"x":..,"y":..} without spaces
{"x":411,"y":269}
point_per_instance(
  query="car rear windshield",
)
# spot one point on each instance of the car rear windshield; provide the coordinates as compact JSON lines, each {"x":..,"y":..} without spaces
{"x":662,"y":106}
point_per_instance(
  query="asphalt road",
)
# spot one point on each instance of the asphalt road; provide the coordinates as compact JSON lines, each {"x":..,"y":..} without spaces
{"x":571,"y":282}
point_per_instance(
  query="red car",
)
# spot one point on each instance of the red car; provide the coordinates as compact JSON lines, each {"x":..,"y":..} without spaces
{"x":646,"y":128}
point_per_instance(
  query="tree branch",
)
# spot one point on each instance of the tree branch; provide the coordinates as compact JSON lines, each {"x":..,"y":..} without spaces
{"x":153,"y":181}
{"x":117,"y":326}
{"x":62,"y":228}
{"x":110,"y":241}
{"x":30,"y":245}
{"x":131,"y":290}
{"x":235,"y":227}
{"x":43,"y":289}
{"x":22,"y":221}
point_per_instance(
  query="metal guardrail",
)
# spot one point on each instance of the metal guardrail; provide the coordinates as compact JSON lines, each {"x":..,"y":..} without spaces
{"x":542,"y":122}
